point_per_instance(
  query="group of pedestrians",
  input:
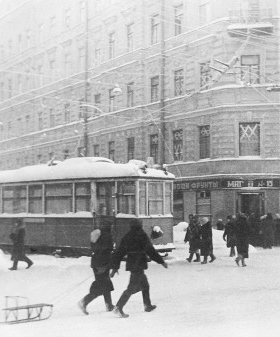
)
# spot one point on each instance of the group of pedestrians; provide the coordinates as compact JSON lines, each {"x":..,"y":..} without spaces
{"x":199,"y":236}
{"x":137,"y":246}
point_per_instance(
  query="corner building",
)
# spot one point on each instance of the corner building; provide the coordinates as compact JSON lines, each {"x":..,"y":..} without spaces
{"x":198,"y":90}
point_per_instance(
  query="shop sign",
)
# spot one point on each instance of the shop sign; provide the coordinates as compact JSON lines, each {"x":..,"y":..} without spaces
{"x":225,"y":183}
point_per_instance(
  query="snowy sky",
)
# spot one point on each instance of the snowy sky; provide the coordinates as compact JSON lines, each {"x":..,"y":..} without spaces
{"x":193,"y":300}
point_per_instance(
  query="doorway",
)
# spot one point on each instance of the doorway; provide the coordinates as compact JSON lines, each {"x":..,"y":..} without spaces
{"x":249,"y":203}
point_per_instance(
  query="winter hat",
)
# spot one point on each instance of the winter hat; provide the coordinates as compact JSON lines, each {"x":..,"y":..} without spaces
{"x":204,"y":220}
{"x":135,"y":224}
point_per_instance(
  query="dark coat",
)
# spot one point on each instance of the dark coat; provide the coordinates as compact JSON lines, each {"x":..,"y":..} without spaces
{"x":102,"y":250}
{"x":242,"y":232}
{"x":207,"y":242}
{"x":18,"y":243}
{"x":193,"y":235}
{"x":229,"y":234}
{"x":267,"y":229}
{"x":138,"y":247}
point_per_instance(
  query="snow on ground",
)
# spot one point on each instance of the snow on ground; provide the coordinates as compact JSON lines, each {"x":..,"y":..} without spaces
{"x":194,"y":300}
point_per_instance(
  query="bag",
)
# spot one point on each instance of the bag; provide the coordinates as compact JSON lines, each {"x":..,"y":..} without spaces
{"x":95,"y":235}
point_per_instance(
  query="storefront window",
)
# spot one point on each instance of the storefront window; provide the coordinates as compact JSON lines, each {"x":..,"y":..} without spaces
{"x":203,"y":202}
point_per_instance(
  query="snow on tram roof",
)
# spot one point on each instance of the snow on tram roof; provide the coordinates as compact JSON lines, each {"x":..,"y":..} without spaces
{"x":82,"y":168}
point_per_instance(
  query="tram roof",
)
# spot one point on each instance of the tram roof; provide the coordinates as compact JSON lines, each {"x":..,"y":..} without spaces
{"x":82,"y":168}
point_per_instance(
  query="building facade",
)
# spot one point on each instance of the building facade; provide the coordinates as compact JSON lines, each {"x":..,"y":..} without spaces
{"x":191,"y":84}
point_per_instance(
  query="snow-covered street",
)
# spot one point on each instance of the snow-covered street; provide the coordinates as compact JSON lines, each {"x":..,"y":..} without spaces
{"x":194,"y":300}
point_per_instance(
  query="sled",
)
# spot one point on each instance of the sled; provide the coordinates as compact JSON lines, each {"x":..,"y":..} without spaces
{"x":25,"y":313}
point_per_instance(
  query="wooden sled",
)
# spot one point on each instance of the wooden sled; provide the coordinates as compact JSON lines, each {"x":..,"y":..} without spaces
{"x":25,"y":313}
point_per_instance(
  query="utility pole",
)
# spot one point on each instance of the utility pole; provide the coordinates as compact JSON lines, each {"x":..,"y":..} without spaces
{"x":85,"y":109}
{"x":162,"y":84}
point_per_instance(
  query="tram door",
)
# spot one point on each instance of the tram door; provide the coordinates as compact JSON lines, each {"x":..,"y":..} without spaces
{"x":249,"y":203}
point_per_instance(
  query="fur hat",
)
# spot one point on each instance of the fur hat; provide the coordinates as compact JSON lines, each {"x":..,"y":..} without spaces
{"x":204,"y":220}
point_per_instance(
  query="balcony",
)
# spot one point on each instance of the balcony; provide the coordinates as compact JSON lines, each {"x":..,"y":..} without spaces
{"x":254,"y":21}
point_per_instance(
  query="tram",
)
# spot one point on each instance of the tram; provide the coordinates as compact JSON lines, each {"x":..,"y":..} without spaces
{"x":61,"y":203}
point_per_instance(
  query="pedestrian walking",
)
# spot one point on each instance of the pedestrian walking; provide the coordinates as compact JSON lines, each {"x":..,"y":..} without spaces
{"x":229,"y":235}
{"x":206,"y":248}
{"x":18,"y":254}
{"x":137,"y":246}
{"x":267,"y":230}
{"x":242,"y":233}
{"x":101,"y":247}
{"x":193,"y":236}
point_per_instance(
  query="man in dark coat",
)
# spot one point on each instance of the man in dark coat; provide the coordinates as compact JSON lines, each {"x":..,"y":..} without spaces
{"x":242,"y":233}
{"x":102,"y":247}
{"x":267,"y":229}
{"x":207,"y":240}
{"x":229,"y":235}
{"x":137,"y":246}
{"x":18,"y":253}
{"x":193,"y":237}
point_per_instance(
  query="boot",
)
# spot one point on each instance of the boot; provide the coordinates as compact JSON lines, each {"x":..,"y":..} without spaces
{"x":243,"y":262}
{"x":150,"y":308}
{"x":213,"y":258}
{"x":238,"y":259}
{"x":197,"y":257}
{"x":232,"y":252}
{"x":204,"y":260}
{"x":82,"y":306}
{"x":119,"y":312}
{"x":108,"y":301}
{"x":14,"y":267}
{"x":190,"y":257}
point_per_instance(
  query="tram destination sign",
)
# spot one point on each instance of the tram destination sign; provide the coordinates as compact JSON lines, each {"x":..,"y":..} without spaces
{"x":225,"y":183}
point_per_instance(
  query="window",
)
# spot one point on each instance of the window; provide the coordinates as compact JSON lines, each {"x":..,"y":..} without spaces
{"x":126,"y":197}
{"x":112,"y":150}
{"x":97,"y":55}
{"x":19,"y":43}
{"x":27,"y":123}
{"x":80,"y":151}
{"x":14,"y":199}
{"x":154,"y":147}
{"x":82,"y":11}
{"x":178,"y":16}
{"x":67,"y":18}
{"x":52,"y":118}
{"x":52,"y":25}
{"x":130,"y":148}
{"x":82,"y":58}
{"x":178,"y":82}
{"x":20,"y":86}
{"x":82,"y":197}
{"x":249,"y":139}
{"x":40,"y":74}
{"x":142,"y":198}
{"x":52,"y":67}
{"x":155,"y":29}
{"x":204,"y":13}
{"x":59,"y":198}
{"x":205,"y":74}
{"x":28,"y":39}
{"x":2,"y":95}
{"x":35,"y":199}
{"x":67,"y":62}
{"x":129,"y":34}
{"x":203,"y":203}
{"x":178,"y":145}
{"x":10,"y":88}
{"x":111,"y":100}
{"x":97,"y":99}
{"x":168,"y":198}
{"x":130,"y":94}
{"x":96,"y":150}
{"x":40,"y":120}
{"x":39,"y":158}
{"x":204,"y":141}
{"x":66,"y":154}
{"x":155,"y":201}
{"x":41,"y":33}
{"x":105,"y":203}
{"x":51,"y":155}
{"x":112,"y":45}
{"x":154,"y":88}
{"x":250,"y":69}
{"x":10,"y":47}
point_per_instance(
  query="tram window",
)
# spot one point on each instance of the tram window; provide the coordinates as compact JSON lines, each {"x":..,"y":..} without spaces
{"x":142,"y":198}
{"x":59,"y":198}
{"x":35,"y":199}
{"x":105,"y":198}
{"x":155,"y":198}
{"x":126,"y":197}
{"x":168,"y":198}
{"x":14,"y":199}
{"x":82,"y":197}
